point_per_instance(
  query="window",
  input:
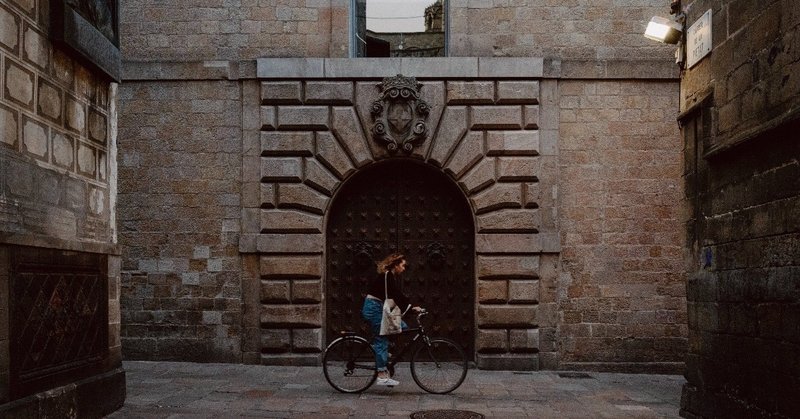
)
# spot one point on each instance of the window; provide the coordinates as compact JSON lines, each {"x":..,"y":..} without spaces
{"x":396,"y":28}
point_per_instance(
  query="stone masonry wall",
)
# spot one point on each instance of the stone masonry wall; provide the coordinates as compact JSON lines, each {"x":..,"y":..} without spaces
{"x":180,"y":208}
{"x":57,"y":179}
{"x":248,"y":29}
{"x":622,"y":286}
{"x":740,"y":122}
{"x":55,"y":143}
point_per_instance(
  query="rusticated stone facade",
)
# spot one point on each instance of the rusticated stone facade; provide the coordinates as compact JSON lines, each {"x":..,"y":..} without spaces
{"x":569,"y":178}
{"x":740,"y":121}
{"x":59,"y":261}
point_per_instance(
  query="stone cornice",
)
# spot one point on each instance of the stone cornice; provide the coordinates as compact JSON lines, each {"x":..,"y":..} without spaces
{"x":422,"y":68}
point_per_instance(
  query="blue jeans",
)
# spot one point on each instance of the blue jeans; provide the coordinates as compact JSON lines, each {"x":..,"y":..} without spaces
{"x":372,"y":312}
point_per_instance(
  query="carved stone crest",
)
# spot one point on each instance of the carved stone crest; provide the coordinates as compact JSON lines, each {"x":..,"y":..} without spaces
{"x":399,"y":114}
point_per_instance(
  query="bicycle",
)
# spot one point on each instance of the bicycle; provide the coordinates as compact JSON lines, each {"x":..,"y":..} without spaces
{"x":438,"y":365}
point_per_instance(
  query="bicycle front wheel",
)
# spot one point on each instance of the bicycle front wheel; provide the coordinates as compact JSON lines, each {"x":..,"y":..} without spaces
{"x":349,"y":364}
{"x":440,"y":367}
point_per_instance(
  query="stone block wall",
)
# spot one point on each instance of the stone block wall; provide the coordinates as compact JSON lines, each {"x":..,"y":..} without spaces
{"x":740,"y":121}
{"x":180,"y":197}
{"x":248,"y":29}
{"x":622,"y":287}
{"x":57,"y":196}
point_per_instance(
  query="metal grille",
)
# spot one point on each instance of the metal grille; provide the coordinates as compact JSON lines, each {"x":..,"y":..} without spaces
{"x":414,"y":209}
{"x":58,"y":316}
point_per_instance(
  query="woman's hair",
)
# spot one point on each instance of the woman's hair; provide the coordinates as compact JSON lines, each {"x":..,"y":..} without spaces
{"x":390,"y":262}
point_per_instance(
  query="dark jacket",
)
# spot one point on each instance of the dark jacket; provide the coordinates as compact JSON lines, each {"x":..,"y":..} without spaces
{"x":375,"y":289}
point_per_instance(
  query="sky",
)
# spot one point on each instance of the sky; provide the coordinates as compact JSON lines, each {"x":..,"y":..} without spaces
{"x":410,"y":13}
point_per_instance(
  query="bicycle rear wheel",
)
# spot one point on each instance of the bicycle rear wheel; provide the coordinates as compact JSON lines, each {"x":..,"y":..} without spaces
{"x":349,"y":364}
{"x":440,"y":367}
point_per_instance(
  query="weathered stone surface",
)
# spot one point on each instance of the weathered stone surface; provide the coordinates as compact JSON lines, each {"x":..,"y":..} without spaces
{"x":76,"y":115}
{"x":512,"y":143}
{"x":274,"y":291}
{"x":506,"y":316}
{"x":290,"y":243}
{"x":470,"y":92}
{"x":306,"y":291}
{"x":492,"y":341}
{"x":268,"y":195}
{"x":34,"y":138}
{"x":350,"y":135}
{"x":9,"y":30}
{"x":290,"y":67}
{"x":301,"y":196}
{"x":50,"y":101}
{"x":290,"y":221}
{"x":531,"y":116}
{"x":329,"y":92}
{"x":507,"y":267}
{"x":492,"y":291}
{"x":524,"y":220}
{"x":281,"y":169}
{"x":468,"y":153}
{"x":452,"y":128}
{"x":524,"y":340}
{"x":481,"y":176}
{"x":287,"y":143}
{"x":269,"y":117}
{"x":501,"y":195}
{"x":97,"y":127}
{"x":291,"y":267}
{"x":281,"y":93}
{"x":275,"y":340}
{"x":509,"y":92}
{"x":19,"y":84}
{"x":294,"y":315}
{"x":320,"y":178}
{"x":518,"y":169}
{"x":36,"y":48}
{"x":303,"y":117}
{"x":496,"y":117}
{"x":531,"y":195}
{"x":508,"y":243}
{"x":523,"y":291}
{"x":86,"y":160}
{"x":307,"y":340}
{"x":510,"y":67}
{"x":332,"y":155}
{"x":10,"y":126}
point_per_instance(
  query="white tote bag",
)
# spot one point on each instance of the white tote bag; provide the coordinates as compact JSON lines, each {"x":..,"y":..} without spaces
{"x":392,"y":318}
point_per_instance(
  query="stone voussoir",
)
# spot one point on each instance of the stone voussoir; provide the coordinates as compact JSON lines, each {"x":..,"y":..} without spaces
{"x":295,"y":221}
{"x":329,"y":92}
{"x":470,"y":92}
{"x":301,"y":196}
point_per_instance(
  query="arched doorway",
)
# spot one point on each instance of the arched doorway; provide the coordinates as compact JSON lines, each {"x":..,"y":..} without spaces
{"x":406,"y":206}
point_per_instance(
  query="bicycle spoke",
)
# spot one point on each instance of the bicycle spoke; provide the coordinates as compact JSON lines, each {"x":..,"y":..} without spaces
{"x":439,"y":368}
{"x":349,"y":365}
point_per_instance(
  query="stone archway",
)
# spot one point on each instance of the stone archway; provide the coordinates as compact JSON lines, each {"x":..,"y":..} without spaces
{"x":317,"y":133}
{"x":401,"y":205}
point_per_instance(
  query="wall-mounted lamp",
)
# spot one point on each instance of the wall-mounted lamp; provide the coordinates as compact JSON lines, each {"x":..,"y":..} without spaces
{"x":669,"y":31}
{"x":664,"y":30}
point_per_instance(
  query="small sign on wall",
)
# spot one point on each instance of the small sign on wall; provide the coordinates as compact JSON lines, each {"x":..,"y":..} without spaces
{"x":698,"y":39}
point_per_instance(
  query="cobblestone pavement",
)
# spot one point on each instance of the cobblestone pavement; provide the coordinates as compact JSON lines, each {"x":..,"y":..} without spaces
{"x":189,"y":390}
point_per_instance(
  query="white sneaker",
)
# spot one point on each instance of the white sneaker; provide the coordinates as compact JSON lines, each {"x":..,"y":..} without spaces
{"x":387,"y":382}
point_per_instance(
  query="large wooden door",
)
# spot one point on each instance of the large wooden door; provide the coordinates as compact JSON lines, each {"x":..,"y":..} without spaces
{"x":408,"y":207}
